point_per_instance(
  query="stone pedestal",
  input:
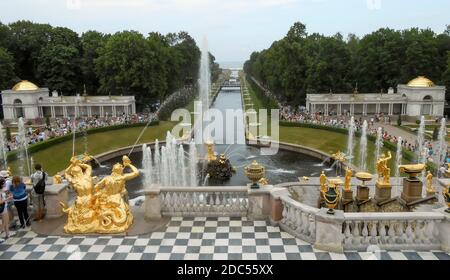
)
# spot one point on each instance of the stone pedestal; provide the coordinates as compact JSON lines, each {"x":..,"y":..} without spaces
{"x":259,"y":203}
{"x":329,"y":234}
{"x":152,"y":204}
{"x":412,"y":190}
{"x":54,"y":194}
{"x":347,"y":196}
{"x":382,"y":192}
{"x":362,"y":193}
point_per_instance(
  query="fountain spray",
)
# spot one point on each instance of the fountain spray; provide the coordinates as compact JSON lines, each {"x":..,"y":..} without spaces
{"x":351,"y":133}
{"x":363,"y":147}
{"x":442,"y":149}
{"x":3,"y":147}
{"x":420,"y":139}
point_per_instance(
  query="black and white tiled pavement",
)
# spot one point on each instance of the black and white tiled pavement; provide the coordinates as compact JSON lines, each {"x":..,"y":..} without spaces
{"x":190,"y":239}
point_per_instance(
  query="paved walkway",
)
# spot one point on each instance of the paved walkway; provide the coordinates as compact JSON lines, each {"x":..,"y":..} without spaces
{"x":395,"y":131}
{"x":191,"y":239}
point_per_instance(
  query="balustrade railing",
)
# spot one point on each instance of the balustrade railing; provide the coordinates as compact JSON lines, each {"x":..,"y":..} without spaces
{"x":298,"y":219}
{"x":204,"y":201}
{"x":392,"y":231}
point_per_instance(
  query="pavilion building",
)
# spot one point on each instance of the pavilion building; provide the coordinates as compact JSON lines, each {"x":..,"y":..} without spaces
{"x":29,"y":101}
{"x":420,"y":97}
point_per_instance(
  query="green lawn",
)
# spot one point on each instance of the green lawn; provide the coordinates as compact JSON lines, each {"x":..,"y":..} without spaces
{"x":330,"y":142}
{"x":55,"y":159}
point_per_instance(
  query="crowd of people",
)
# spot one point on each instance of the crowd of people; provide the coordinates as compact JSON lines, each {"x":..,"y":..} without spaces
{"x":63,"y":126}
{"x":14,"y":193}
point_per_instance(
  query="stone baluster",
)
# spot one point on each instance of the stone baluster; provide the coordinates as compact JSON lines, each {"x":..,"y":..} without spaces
{"x":374,"y":233}
{"x":347,"y":233}
{"x":298,"y":219}
{"x":365,"y":233}
{"x":409,"y":233}
{"x":402,"y":237}
{"x":312,"y":227}
{"x":391,"y":232}
{"x":382,"y":232}
{"x":356,"y":233}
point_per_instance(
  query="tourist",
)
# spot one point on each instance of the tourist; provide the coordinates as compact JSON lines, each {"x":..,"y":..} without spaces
{"x":20,"y":195}
{"x":6,"y":176}
{"x":5,"y":198}
{"x":38,"y":180}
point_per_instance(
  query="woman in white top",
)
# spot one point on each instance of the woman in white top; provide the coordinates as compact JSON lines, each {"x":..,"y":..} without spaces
{"x":5,"y":198}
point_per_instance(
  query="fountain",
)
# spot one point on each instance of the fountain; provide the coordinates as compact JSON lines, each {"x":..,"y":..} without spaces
{"x":442,"y":147}
{"x":23,"y":146}
{"x":351,"y":133}
{"x":168,"y":165}
{"x":3,"y":150}
{"x":363,"y":147}
{"x":378,"y":143}
{"x":398,"y":160}
{"x":420,"y":140}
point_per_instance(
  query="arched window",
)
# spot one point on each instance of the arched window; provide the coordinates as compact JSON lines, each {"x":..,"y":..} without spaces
{"x":18,"y":108}
{"x":427,"y":106}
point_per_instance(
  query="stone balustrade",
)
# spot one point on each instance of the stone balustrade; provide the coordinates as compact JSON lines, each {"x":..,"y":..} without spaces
{"x":392,"y":231}
{"x":298,"y":219}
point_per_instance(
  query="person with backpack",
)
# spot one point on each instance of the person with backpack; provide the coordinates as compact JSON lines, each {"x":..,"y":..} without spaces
{"x":20,"y":195}
{"x":38,"y":180}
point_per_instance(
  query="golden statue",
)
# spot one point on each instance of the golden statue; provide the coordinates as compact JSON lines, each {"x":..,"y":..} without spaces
{"x":323,"y":182}
{"x":263,"y":181}
{"x":210,"y":147}
{"x":348,"y":178}
{"x":430,"y":188}
{"x":9,"y":171}
{"x":383,"y":170}
{"x":113,"y":213}
{"x":100,"y":208}
{"x":57,"y":179}
{"x":81,"y":215}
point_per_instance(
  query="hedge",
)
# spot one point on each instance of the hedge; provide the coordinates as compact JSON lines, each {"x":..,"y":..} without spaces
{"x":52,"y":141}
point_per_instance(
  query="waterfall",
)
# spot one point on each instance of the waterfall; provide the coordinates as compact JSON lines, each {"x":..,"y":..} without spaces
{"x":351,"y":133}
{"x":3,"y":152}
{"x":378,"y":144}
{"x":363,"y":148}
{"x":420,"y":140}
{"x":442,"y":148}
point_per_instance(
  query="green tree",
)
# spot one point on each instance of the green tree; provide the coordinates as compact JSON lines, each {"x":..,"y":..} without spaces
{"x":6,"y":69}
{"x":59,"y":68}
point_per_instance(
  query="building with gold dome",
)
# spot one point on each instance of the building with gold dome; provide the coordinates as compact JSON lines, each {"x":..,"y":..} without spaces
{"x":29,"y":101}
{"x":420,"y":97}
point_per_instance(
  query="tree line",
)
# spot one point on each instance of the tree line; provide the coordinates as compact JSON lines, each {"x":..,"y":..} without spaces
{"x":302,"y":63}
{"x":125,"y":63}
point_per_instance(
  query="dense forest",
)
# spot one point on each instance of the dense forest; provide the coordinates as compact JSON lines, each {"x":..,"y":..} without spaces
{"x":125,"y":63}
{"x":302,"y":63}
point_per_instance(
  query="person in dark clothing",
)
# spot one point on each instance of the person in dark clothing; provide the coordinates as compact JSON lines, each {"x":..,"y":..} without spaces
{"x":20,"y":195}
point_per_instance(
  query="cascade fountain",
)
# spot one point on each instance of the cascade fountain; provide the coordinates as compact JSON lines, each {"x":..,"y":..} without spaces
{"x":23,"y":147}
{"x":169,"y":166}
{"x":420,"y":140}
{"x":363,"y":147}
{"x":351,"y":133}
{"x":3,"y":150}
{"x":442,"y":147}
{"x":204,"y":85}
{"x":378,"y":144}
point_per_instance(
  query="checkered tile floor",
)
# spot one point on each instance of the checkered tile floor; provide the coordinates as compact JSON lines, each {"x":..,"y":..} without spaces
{"x":187,"y":239}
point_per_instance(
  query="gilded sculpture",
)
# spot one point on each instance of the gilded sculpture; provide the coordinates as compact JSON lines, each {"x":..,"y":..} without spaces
{"x":323,"y":182}
{"x":430,"y":188}
{"x":348,"y":178}
{"x":383,"y":170}
{"x":100,"y":208}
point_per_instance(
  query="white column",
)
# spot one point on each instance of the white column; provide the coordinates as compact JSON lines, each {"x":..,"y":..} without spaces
{"x":352,"y":109}
{"x":133,"y":108}
{"x":89,"y":111}
{"x":126,"y":109}
{"x":52,"y":110}
{"x":391,"y":109}
{"x":326,"y":110}
{"x":114,"y":110}
{"x":365,"y":109}
{"x":65,"y":111}
{"x":339,"y":109}
{"x":377,"y":110}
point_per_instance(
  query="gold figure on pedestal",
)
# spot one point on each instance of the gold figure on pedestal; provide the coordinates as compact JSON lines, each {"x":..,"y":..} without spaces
{"x":57,"y":179}
{"x":323,"y":182}
{"x":430,"y":189}
{"x":348,"y":177}
{"x":100,"y":208}
{"x":210,"y":148}
{"x":384,"y":172}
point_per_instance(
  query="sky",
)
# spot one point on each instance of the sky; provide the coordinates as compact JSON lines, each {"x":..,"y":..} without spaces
{"x":233,"y":28}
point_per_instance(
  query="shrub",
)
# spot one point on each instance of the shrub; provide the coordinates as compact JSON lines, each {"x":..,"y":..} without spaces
{"x":8,"y":133}
{"x":399,"y":121}
{"x":417,"y":121}
{"x":47,"y":121}
{"x":435,"y":134}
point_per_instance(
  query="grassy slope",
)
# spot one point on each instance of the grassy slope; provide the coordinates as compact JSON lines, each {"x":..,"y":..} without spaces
{"x":56,"y":158}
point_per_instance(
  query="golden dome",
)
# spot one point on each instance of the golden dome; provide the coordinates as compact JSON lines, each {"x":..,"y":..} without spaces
{"x":25,"y":85}
{"x":421,"y":81}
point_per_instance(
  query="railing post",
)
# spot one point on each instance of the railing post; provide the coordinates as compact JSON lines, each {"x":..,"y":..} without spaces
{"x":444,"y":230}
{"x":259,"y":203}
{"x":152,"y":203}
{"x":329,"y":236}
